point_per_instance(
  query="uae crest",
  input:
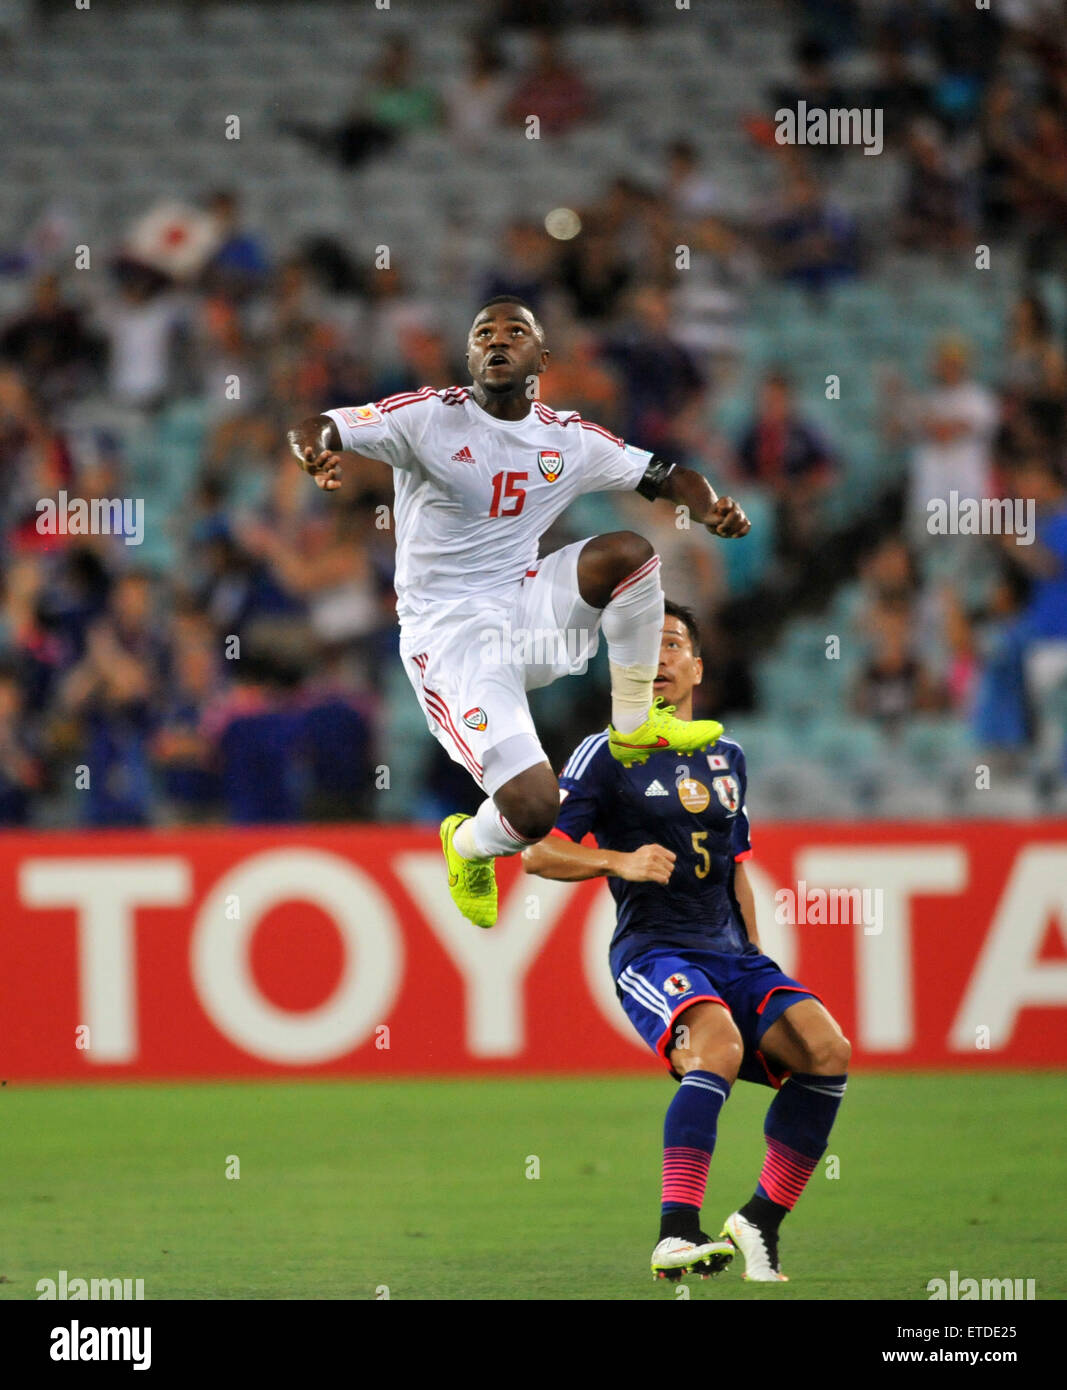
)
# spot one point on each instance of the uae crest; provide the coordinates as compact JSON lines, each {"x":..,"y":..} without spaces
{"x":550,"y":462}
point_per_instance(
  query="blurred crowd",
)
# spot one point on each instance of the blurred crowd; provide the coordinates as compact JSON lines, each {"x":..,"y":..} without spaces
{"x":245,"y":681}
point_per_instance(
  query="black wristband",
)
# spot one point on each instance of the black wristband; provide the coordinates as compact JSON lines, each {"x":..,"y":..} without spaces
{"x":655,"y":476}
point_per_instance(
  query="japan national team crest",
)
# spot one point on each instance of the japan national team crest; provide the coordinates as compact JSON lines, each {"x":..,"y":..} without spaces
{"x":550,"y":462}
{"x":476,"y":718}
{"x":728,"y":792}
{"x":677,"y":984}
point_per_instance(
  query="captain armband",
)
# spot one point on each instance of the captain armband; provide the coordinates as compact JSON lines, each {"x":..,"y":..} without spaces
{"x":655,"y":475}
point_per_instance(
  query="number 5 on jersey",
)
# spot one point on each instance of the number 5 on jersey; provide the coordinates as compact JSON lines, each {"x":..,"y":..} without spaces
{"x":504,"y":488}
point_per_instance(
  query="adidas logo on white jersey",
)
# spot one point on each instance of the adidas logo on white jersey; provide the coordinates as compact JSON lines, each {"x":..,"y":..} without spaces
{"x":656,"y":789}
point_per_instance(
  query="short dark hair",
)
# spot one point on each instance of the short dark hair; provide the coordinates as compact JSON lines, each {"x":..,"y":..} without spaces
{"x":686,"y":618}
{"x":512,"y":299}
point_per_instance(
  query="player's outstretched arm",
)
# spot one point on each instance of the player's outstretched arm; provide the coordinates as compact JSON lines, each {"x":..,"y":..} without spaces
{"x":556,"y":857}
{"x":316,"y":445}
{"x":721,"y":515}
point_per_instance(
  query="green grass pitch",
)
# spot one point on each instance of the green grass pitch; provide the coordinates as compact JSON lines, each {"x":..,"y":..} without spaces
{"x":422,"y":1187}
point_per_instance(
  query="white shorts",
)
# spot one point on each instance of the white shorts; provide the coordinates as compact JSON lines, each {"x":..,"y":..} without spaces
{"x":472,"y":670}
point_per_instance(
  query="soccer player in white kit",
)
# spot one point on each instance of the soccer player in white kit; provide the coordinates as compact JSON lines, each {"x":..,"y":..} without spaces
{"x":481,"y":473}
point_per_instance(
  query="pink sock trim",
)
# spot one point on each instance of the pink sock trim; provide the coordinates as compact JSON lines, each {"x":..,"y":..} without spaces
{"x":685,"y":1175}
{"x":785,"y":1173}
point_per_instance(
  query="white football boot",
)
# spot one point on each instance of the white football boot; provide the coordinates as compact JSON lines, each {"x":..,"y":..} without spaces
{"x":674,"y":1257}
{"x":760,"y":1252}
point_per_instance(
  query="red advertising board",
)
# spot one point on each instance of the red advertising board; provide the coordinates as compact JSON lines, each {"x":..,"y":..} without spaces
{"x":337,"y":951}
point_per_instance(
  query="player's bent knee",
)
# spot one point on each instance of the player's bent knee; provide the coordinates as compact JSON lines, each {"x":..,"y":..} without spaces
{"x":534,"y":822}
{"x":830,"y":1056}
{"x":632,"y":550}
{"x":723,"y":1059}
{"x":706,"y":1039}
{"x":530,"y":805}
{"x":841,"y":1055}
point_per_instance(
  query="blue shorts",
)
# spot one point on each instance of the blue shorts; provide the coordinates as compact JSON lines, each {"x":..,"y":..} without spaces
{"x":656,"y":986}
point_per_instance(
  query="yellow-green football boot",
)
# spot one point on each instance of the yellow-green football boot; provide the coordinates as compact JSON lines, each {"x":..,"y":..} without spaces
{"x":661,"y":732}
{"x":472,"y":882}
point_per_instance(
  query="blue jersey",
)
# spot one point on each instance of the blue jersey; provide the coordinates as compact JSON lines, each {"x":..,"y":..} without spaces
{"x":693,"y":804}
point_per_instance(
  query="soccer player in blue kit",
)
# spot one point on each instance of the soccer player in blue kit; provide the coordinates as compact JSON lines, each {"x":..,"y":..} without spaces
{"x":672,"y":838}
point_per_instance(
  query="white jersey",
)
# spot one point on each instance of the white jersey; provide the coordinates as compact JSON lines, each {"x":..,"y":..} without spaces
{"x":474,"y":494}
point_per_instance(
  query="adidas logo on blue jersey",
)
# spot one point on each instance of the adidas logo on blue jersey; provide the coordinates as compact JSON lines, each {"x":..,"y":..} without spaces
{"x":656,"y":789}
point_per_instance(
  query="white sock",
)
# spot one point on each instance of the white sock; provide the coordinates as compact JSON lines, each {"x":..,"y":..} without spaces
{"x":632,"y":625}
{"x":487,"y":835}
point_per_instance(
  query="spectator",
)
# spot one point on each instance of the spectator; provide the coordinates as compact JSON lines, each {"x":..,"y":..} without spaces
{"x":780,"y":449}
{"x":888,"y":574}
{"x":815,"y":83}
{"x":131,"y":610}
{"x":21,"y":770}
{"x":787,"y":456}
{"x":1001,"y":128}
{"x":240,"y":261}
{"x":179,"y":747}
{"x":663,"y":388}
{"x":475,"y":102}
{"x":52,"y":603}
{"x":396,"y":99}
{"x":1035,"y":376}
{"x":1000,"y":718}
{"x":1040,"y":166}
{"x":110,"y":691}
{"x":626,"y":213}
{"x":393,"y":313}
{"x":897,"y":91}
{"x":936,"y":214}
{"x":1045,"y":561}
{"x":336,"y":741}
{"x":235,"y":588}
{"x":551,"y":90}
{"x":966,"y":48}
{"x":428,"y":361}
{"x":593,"y":273}
{"x":576,"y":380}
{"x":142,"y":325}
{"x":953,"y":424}
{"x":391,"y":104}
{"x":1027,"y":658}
{"x":526,"y":267}
{"x":689,"y":194}
{"x":51,"y":344}
{"x":225,"y":355}
{"x":961,"y":673}
{"x":328,"y":568}
{"x":256,"y":730}
{"x":811,"y":242}
{"x":894,"y":683}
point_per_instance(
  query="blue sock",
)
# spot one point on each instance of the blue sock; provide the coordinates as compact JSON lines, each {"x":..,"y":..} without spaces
{"x":688,"y":1142}
{"x":796,"y":1129}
